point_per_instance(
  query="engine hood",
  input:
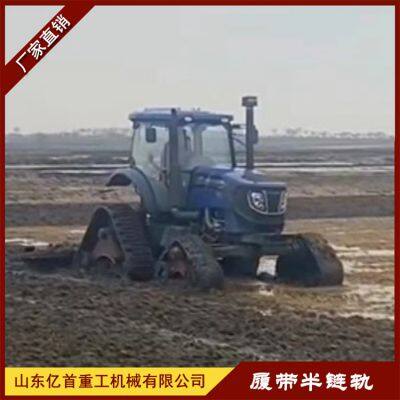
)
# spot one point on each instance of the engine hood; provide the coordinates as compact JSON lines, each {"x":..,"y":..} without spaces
{"x":238,"y":177}
{"x":234,"y":196}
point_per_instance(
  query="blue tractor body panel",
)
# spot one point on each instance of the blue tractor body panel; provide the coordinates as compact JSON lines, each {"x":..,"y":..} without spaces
{"x":224,"y":192}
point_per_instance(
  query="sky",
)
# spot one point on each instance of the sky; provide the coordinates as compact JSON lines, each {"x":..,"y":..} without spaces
{"x":320,"y":68}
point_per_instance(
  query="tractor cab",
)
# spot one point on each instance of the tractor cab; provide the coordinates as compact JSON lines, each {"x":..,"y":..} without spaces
{"x":169,"y":144}
{"x":164,"y":138}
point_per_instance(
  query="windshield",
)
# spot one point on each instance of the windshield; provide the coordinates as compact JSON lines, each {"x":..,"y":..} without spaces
{"x":199,"y":144}
{"x":204,"y":145}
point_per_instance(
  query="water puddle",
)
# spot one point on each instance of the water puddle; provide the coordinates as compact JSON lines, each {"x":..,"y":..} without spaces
{"x":353,"y":266}
{"x":371,"y":301}
{"x":357,"y":252}
{"x":71,"y":157}
{"x":75,"y":172}
{"x":375,"y":301}
{"x":55,"y":167}
{"x":26,"y":242}
{"x":350,"y":256}
{"x":77,"y":231}
{"x":120,"y":158}
{"x":331,"y":169}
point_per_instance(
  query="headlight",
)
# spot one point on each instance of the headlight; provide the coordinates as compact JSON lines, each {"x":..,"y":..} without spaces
{"x":257,"y":202}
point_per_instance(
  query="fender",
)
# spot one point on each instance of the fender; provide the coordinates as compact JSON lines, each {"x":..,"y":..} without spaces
{"x":152,"y":192}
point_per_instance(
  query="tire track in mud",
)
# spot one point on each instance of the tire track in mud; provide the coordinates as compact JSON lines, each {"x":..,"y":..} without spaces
{"x":64,"y":319}
{"x":162,"y":333}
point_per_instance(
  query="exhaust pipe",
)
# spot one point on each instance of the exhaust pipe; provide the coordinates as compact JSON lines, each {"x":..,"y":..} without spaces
{"x":249,"y":102}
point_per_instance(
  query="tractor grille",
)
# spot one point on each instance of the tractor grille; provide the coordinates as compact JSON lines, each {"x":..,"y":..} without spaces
{"x":273,"y":201}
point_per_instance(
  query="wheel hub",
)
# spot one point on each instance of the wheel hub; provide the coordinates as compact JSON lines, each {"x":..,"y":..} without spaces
{"x":178,"y":264}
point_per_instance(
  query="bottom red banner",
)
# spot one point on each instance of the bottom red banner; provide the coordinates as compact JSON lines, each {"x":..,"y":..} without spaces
{"x":310,"y":380}
{"x":249,"y":380}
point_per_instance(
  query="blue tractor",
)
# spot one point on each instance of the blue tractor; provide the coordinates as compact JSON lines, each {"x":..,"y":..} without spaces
{"x":200,"y":215}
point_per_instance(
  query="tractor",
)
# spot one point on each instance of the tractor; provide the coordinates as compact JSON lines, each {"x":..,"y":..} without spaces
{"x":200,"y":215}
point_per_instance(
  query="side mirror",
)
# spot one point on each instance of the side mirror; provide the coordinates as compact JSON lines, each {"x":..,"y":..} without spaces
{"x":151,"y":135}
{"x":255,"y":135}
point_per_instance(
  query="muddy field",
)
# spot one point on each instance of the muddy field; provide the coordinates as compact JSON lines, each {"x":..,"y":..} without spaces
{"x":55,"y":316}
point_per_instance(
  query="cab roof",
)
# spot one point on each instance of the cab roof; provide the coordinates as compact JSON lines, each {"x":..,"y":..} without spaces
{"x":164,"y":115}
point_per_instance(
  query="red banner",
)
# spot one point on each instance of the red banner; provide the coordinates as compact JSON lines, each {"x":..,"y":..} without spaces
{"x":310,"y":380}
{"x":42,"y":43}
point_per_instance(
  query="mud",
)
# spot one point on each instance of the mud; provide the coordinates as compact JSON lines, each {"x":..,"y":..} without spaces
{"x":57,"y":316}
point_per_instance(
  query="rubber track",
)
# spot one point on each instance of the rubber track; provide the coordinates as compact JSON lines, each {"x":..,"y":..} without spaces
{"x":208,"y":273}
{"x":130,"y":232}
